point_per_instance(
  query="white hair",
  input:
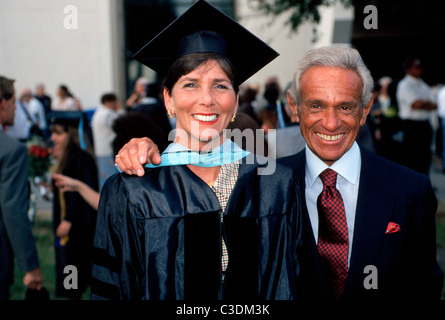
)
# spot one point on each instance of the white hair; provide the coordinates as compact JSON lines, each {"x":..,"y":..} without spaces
{"x":334,"y":57}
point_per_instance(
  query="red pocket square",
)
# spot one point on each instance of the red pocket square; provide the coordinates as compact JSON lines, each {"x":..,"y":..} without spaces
{"x":392,"y":227}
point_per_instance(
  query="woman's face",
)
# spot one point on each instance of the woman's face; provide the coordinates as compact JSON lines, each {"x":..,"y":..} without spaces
{"x":204,"y":101}
{"x":60,"y":139}
{"x":61,"y":93}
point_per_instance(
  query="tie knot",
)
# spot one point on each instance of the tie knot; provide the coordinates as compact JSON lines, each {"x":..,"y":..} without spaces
{"x":329,"y":177}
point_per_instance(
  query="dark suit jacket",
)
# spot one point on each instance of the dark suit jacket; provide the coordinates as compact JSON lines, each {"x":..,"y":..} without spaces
{"x":406,"y":260}
{"x":16,"y":237}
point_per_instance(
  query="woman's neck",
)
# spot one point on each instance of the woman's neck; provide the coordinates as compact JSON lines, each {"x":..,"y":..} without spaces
{"x":207,"y":174}
{"x":199,"y":146}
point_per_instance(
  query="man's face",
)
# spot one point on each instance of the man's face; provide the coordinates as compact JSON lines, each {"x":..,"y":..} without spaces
{"x":26,"y":96}
{"x":8,"y":111}
{"x":416,"y":69}
{"x":329,"y":112}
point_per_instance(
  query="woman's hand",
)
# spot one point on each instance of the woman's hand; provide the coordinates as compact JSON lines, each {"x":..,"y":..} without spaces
{"x":65,"y":183}
{"x":63,"y":229}
{"x":135,"y":153}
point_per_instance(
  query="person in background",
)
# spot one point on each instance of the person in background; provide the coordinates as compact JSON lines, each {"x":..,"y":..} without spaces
{"x":44,"y":99}
{"x":268,"y":119}
{"x":248,"y":101}
{"x":255,"y":140}
{"x":103,"y":135}
{"x":74,"y":219}
{"x":135,"y":124}
{"x":288,"y":140}
{"x":65,"y":101}
{"x":16,"y":238}
{"x":67,"y":184}
{"x":138,"y":93}
{"x":152,"y":105}
{"x":30,"y":117}
{"x":441,"y":115}
{"x":416,"y":102}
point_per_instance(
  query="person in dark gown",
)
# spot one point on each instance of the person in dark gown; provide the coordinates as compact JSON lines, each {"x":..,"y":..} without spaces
{"x":73,"y":218}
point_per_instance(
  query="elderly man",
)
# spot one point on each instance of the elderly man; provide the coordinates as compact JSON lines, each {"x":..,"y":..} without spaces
{"x":369,"y":223}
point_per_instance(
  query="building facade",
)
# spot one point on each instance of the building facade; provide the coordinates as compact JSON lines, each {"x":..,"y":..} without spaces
{"x":87,"y":44}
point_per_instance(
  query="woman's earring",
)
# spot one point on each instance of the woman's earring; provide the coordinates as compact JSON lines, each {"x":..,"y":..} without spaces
{"x":171,"y":115}
{"x":233,"y":118}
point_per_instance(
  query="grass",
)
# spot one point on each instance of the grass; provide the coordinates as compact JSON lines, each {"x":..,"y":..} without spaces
{"x":43,"y":234}
{"x":42,"y":230}
{"x":440,"y":230}
{"x":440,"y":239}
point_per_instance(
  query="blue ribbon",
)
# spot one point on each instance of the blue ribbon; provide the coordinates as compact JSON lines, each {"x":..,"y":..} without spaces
{"x":176,"y":154}
{"x":83,"y":145}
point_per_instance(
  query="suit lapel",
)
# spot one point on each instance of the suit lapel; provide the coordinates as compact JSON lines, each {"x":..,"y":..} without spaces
{"x":312,"y":283}
{"x":374,"y":207}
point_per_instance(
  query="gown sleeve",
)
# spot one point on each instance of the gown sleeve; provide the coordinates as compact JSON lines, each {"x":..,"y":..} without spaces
{"x":81,"y":166}
{"x":116,"y":269}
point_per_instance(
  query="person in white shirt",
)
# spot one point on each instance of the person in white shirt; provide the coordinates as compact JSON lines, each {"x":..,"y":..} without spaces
{"x":416,"y":102}
{"x":29,"y":112}
{"x":103,"y":135}
{"x":65,"y":100}
{"x":441,"y":114}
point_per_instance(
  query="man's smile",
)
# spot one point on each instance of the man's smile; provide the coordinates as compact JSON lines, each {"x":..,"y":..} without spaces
{"x":330,"y":137}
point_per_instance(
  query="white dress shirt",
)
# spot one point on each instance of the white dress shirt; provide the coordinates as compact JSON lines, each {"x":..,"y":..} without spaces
{"x":103,"y":133}
{"x":409,"y":90}
{"x":441,"y":102}
{"x":348,"y":177}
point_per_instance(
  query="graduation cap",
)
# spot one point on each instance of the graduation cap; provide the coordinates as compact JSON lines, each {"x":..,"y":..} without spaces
{"x":65,"y":118}
{"x":203,"y":28}
{"x":76,"y":119}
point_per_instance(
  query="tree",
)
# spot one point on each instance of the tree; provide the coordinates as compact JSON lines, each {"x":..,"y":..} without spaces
{"x":300,"y":10}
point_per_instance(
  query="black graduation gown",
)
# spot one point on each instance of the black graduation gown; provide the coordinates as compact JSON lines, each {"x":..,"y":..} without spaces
{"x":77,"y":251}
{"x":159,"y":237}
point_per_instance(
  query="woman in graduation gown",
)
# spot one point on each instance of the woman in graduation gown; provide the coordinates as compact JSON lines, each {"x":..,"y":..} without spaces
{"x":202,"y":225}
{"x":73,"y":218}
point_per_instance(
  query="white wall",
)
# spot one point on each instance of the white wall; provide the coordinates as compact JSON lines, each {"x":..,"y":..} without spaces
{"x":36,"y":46}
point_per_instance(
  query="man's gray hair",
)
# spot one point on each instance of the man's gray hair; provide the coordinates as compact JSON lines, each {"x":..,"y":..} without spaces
{"x":334,"y":57}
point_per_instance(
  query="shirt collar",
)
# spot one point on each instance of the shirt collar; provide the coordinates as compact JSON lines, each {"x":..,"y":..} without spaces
{"x":348,"y":166}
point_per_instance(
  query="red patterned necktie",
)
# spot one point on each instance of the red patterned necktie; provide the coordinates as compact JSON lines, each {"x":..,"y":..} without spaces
{"x":333,"y":239}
